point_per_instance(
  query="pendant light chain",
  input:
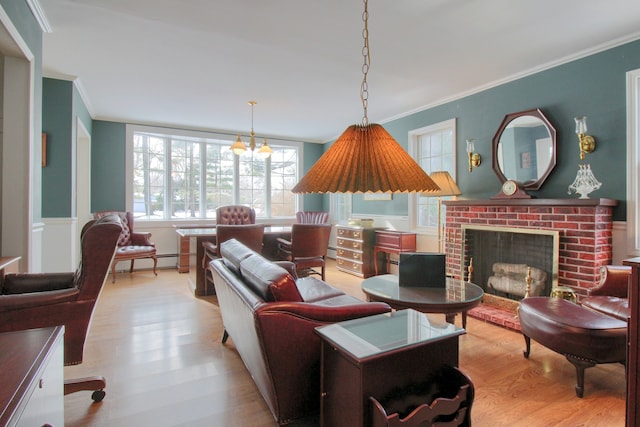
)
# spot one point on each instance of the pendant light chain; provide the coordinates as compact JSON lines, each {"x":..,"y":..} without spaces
{"x":364,"y":87}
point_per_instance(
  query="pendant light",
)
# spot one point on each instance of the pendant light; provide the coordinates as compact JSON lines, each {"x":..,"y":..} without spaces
{"x":238,"y":147}
{"x":365,"y":158}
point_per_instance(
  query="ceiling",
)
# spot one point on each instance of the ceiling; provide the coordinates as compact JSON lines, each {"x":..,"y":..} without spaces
{"x":196,"y":63}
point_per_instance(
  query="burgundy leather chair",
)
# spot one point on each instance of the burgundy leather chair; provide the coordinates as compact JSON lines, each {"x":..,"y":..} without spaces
{"x":312,"y":217}
{"x":307,"y":247}
{"x":235,"y":215}
{"x":610,"y":296}
{"x":232,"y":215}
{"x":131,"y":245}
{"x":30,"y":300}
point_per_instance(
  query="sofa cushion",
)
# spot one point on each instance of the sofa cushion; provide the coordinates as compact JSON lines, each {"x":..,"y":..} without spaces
{"x":264,"y":278}
{"x":312,"y":290}
{"x":233,"y":252}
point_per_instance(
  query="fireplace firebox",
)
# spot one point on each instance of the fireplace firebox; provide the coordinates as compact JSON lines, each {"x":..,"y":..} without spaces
{"x":503,"y":257}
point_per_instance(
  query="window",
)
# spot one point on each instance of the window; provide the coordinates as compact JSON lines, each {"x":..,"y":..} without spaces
{"x":433,"y":147}
{"x":340,"y":206}
{"x":187,"y":175}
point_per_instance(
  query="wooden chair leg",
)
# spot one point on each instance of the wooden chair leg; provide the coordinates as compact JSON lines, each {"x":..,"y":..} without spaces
{"x":155,"y":265}
{"x":131,"y":267}
{"x":113,"y":271}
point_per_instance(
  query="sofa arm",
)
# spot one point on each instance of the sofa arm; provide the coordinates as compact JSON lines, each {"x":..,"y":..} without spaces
{"x":323,"y":314}
{"x":141,"y":239}
{"x":291,"y":349}
{"x":36,"y":282}
{"x":614,"y":281}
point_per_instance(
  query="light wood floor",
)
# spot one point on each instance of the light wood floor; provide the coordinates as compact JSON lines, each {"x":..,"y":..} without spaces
{"x":159,"y":348}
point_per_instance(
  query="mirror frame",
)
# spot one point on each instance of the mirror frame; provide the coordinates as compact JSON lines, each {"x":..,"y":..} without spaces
{"x":532,"y":185}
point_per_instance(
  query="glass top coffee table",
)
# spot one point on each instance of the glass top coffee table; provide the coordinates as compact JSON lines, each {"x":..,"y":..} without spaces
{"x":456,"y":297}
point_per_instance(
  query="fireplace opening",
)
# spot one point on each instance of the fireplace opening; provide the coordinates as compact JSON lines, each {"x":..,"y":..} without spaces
{"x":503,"y":257}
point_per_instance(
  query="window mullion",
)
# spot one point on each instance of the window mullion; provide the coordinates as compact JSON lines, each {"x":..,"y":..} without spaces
{"x":167,"y":180}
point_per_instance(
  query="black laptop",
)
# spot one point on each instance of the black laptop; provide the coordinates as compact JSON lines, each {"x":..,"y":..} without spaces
{"x":422,"y":269}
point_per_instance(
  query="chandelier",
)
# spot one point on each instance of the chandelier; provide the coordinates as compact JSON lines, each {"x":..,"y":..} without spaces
{"x":238,"y":147}
{"x":365,"y":158}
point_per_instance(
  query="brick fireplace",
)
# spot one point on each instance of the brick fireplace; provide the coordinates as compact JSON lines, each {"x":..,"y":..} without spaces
{"x":584,"y":226}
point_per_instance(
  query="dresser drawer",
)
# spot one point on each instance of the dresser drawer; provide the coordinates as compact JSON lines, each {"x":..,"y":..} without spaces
{"x":350,"y":233}
{"x":349,"y":254}
{"x":350,"y":244}
{"x":352,"y":266}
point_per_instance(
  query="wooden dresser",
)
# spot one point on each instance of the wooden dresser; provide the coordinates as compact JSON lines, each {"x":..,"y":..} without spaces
{"x":32,"y":377}
{"x":354,"y":250}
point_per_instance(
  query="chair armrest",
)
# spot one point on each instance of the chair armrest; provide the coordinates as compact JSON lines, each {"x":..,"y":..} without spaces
{"x":141,"y":239}
{"x":283,"y":242}
{"x":614,"y":281}
{"x":37,"y":299}
{"x":37,"y":282}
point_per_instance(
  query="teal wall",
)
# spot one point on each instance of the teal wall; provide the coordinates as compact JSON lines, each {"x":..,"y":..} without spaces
{"x":108,"y":163}
{"x":594,"y":86}
{"x":62,"y":106}
{"x":312,"y":152}
{"x":57,"y":110}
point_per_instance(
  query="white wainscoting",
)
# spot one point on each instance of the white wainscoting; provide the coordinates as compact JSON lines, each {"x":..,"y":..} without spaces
{"x":60,"y":242}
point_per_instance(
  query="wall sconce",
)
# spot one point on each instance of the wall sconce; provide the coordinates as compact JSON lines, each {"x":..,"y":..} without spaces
{"x":474,"y":158}
{"x":587,"y":142}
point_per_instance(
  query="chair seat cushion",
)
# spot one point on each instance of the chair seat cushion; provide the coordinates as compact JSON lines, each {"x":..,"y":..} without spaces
{"x":612,"y":306}
{"x":313,"y":290}
{"x":128,"y":252}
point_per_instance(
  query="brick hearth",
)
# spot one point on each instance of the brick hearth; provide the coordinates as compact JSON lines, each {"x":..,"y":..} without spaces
{"x":584,"y":225}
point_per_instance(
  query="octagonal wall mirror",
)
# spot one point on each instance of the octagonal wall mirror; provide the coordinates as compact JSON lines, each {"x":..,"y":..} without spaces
{"x":524,"y":149}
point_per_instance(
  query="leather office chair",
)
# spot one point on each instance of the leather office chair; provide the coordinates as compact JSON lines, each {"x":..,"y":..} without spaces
{"x":131,"y":245}
{"x":231,"y":215}
{"x":235,"y":215}
{"x":38,"y":300}
{"x":307,"y":248}
{"x":312,"y":217}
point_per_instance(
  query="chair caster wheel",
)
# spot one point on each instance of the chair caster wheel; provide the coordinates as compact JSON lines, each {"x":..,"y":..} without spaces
{"x":98,"y":395}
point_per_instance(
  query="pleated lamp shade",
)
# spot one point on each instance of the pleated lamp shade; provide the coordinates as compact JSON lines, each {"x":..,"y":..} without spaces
{"x":448,"y":186}
{"x":365,"y":158}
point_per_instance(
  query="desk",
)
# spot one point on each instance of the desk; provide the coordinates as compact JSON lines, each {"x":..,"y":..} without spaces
{"x":32,"y":377}
{"x":456,"y":297}
{"x":392,"y":242}
{"x":208,"y":234}
{"x":370,"y":356}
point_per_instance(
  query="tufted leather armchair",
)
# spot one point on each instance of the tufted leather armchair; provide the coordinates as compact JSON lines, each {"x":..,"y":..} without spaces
{"x":232,"y":215}
{"x":131,"y":245}
{"x":38,"y":300}
{"x":312,"y":217}
{"x":235,"y":215}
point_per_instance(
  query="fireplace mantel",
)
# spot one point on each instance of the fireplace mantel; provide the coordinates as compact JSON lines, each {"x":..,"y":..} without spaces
{"x":532,"y":202}
{"x":585,"y":227}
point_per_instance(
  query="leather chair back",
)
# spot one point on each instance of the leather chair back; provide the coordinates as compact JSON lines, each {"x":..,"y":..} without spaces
{"x":251,"y":235}
{"x":235,"y":215}
{"x":309,"y":240}
{"x":312,"y":217}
